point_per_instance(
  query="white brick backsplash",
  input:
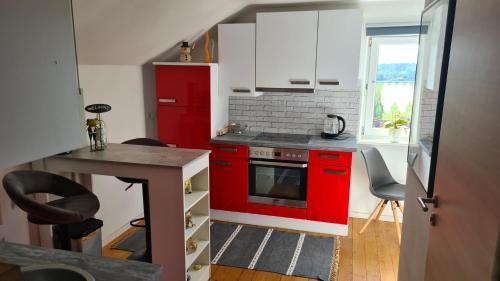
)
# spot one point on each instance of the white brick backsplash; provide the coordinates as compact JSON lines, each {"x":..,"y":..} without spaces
{"x":295,"y":112}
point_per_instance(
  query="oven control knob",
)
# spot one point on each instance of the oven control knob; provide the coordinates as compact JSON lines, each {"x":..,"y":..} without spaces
{"x":300,"y":155}
{"x":288,"y":155}
{"x":293,"y":155}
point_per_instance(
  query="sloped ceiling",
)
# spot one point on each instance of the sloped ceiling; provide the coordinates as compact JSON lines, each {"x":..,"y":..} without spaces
{"x":134,"y":32}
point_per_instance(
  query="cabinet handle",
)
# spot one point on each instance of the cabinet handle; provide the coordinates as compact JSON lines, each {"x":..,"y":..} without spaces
{"x":228,"y":149}
{"x":329,"y":156}
{"x":329,"y":82}
{"x":167,"y":100}
{"x":223,"y":163}
{"x":299,"y":81}
{"x":241,"y":90}
{"x":335,"y":172}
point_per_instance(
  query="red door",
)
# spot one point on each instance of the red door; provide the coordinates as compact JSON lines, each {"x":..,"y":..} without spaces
{"x":183,"y":85}
{"x":185,"y":127}
{"x":229,"y":184}
{"x":328,"y":193}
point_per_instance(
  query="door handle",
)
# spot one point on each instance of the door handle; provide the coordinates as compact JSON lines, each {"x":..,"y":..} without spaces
{"x":167,"y":100}
{"x":424,"y":201}
{"x":299,"y":81}
{"x":329,"y":82}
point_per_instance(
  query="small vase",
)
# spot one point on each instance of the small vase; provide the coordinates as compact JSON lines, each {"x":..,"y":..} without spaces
{"x":394,"y":134}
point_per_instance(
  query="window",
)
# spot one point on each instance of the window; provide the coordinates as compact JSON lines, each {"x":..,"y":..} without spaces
{"x":390,"y":84}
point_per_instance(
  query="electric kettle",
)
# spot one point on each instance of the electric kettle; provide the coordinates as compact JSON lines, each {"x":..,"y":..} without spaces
{"x":332,"y":126}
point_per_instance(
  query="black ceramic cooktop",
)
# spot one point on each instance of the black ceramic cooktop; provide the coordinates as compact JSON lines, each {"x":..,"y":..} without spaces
{"x":286,"y":138}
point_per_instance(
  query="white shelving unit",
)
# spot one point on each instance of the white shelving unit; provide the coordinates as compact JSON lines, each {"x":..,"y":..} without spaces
{"x":198,"y":203}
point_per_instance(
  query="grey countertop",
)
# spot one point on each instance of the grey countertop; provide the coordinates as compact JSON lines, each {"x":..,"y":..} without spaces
{"x":102,"y":268}
{"x":316,"y":142}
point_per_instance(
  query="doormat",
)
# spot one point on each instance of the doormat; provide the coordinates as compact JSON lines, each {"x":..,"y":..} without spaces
{"x":266,"y":249}
{"x":134,"y":243}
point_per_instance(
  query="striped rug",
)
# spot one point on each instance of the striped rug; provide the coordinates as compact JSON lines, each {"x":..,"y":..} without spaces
{"x":272,"y":250}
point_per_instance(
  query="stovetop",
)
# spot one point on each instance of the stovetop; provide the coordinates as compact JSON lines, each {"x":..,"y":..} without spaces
{"x":286,"y":138}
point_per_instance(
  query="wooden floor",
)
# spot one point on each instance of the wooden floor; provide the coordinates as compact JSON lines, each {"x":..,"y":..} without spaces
{"x":371,"y":256}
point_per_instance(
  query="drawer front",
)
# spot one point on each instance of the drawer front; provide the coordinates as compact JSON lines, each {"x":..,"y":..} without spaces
{"x":229,"y":150}
{"x":329,"y":157}
{"x":279,"y":211}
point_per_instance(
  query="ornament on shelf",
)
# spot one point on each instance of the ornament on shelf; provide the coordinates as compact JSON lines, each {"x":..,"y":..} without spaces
{"x":191,"y":246}
{"x":188,"y":187}
{"x":96,"y":128}
{"x":185,"y":52}
{"x":197,"y":267}
{"x":189,"y":220}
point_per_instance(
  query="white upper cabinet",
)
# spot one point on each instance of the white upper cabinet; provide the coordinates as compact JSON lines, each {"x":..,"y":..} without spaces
{"x":286,"y":51}
{"x":339,"y":43}
{"x":237,"y":59}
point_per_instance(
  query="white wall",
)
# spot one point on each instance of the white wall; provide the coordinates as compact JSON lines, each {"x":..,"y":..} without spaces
{"x":122,"y":88}
{"x":362,"y":202}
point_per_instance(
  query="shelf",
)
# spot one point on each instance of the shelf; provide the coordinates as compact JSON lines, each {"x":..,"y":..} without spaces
{"x":193,"y":198}
{"x":192,"y":257}
{"x":202,"y":274}
{"x":198,"y":222}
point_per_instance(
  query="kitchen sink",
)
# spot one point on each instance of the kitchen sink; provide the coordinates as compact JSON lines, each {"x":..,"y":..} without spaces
{"x":54,"y":272}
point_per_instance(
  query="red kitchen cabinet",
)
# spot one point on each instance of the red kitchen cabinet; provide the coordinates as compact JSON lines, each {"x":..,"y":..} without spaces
{"x":189,"y":108}
{"x":328,"y":193}
{"x":184,"y":127}
{"x":229,"y":184}
{"x":183,"y":85}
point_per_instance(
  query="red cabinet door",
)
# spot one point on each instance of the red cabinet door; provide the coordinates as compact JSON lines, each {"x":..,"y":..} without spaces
{"x":184,"y":127}
{"x":183,"y":85}
{"x":328,"y":193}
{"x":229,"y":184}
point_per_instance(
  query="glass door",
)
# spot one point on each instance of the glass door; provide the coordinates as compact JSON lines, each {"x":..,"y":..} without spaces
{"x":278,"y":183}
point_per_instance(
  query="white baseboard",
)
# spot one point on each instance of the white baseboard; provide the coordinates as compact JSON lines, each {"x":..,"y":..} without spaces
{"x":280,"y":222}
{"x":362,"y":215}
{"x":109,"y":238}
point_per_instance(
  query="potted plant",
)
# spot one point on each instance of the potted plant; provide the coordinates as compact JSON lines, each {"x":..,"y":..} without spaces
{"x":396,"y":126}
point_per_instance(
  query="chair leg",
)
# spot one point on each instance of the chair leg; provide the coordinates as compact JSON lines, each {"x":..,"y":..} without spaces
{"x":374,"y":214}
{"x":401,"y":207}
{"x":383,"y":207}
{"x":395,"y":214}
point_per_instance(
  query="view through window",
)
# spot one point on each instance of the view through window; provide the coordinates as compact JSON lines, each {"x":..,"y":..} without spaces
{"x":391,"y":83}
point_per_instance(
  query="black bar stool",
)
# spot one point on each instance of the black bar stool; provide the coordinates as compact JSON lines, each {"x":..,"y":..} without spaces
{"x":76,"y":205}
{"x":144,"y":254}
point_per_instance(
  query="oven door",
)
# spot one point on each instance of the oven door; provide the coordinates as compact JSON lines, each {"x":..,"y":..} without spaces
{"x":278,"y":183}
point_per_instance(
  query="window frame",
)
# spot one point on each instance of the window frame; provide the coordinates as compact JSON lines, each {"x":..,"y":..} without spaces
{"x":367,"y":132}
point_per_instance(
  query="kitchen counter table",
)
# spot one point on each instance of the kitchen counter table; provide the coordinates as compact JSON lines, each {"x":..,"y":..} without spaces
{"x":166,"y":170}
{"x":101,"y":268}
